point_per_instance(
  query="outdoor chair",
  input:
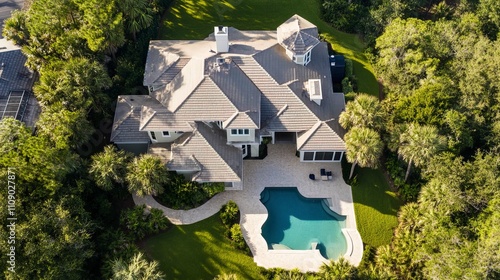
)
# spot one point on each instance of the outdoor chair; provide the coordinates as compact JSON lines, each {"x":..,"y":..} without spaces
{"x":312,"y":177}
{"x":324,"y":177}
{"x":329,"y":175}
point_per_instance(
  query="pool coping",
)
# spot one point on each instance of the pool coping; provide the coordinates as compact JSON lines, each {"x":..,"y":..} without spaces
{"x":279,"y":169}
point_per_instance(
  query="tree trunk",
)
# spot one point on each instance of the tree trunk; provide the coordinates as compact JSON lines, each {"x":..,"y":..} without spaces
{"x":352,"y":168}
{"x":408,"y":169}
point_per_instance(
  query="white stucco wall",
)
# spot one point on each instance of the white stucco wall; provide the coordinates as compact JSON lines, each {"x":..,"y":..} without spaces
{"x":241,"y":138}
{"x":164,"y":139}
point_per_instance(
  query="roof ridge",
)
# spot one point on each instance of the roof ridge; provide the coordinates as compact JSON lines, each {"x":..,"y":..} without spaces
{"x":287,"y":88}
{"x":231,"y":119}
{"x":221,"y":91}
{"x":120,"y":121}
{"x":215,"y":151}
{"x":150,"y":117}
{"x":308,"y":134}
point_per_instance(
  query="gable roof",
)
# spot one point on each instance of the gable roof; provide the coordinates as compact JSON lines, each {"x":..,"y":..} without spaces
{"x":157,"y":63}
{"x":127,"y":117}
{"x":206,"y":149}
{"x":320,"y":137}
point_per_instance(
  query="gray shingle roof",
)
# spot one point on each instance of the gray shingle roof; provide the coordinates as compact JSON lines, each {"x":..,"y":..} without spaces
{"x":240,"y":90}
{"x":207,"y":150}
{"x":320,"y":137}
{"x":281,"y":109}
{"x":275,"y":62}
{"x":171,"y":72}
{"x":157,"y":62}
{"x":205,"y":103}
{"x":127,"y":118}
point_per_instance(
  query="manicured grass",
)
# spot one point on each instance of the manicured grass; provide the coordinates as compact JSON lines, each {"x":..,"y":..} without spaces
{"x":375,"y":205}
{"x":195,"y":19}
{"x":199,"y":251}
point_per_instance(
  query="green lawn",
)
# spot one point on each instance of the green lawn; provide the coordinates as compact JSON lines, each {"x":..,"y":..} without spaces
{"x":375,"y":205}
{"x":195,"y":19}
{"x":199,"y":251}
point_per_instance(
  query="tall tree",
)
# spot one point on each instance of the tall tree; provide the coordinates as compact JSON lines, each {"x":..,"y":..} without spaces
{"x":406,"y":57}
{"x":138,"y":15}
{"x":364,"y":111}
{"x":146,"y":175}
{"x":364,"y":147}
{"x":66,"y":129}
{"x":77,"y":84}
{"x":418,"y":144}
{"x":103,"y":26}
{"x":109,"y":167}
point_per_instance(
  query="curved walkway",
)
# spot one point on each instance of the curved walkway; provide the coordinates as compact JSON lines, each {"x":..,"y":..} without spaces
{"x":281,"y":168}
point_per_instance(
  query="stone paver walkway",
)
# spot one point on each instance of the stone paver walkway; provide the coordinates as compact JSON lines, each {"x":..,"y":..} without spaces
{"x":281,"y":168}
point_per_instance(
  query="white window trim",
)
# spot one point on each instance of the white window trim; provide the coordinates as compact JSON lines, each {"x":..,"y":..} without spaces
{"x":152,"y":135}
{"x":165,"y":135}
{"x":238,"y":132}
{"x":314,"y":156}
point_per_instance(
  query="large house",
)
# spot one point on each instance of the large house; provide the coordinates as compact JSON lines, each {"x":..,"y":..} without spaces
{"x":212,"y":102}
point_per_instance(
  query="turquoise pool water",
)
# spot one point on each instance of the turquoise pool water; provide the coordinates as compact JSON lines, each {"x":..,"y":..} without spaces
{"x":295,"y":222}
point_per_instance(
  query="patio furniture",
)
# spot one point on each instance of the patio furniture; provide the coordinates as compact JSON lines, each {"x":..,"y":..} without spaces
{"x":312,"y":177}
{"x":329,"y":175}
{"x":324,"y":177}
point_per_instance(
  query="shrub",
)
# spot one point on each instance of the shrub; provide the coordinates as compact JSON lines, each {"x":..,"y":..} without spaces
{"x":183,"y":194}
{"x":347,"y":85}
{"x":229,"y":214}
{"x":349,"y":72}
{"x":350,"y":96}
{"x":409,"y":192}
{"x":139,"y":224}
{"x":237,"y":238}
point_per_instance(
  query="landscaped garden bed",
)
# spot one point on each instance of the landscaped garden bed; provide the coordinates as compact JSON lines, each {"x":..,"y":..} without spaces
{"x":181,"y":193}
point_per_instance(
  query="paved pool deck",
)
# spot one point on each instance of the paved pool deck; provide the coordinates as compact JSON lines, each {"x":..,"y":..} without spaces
{"x":281,"y":168}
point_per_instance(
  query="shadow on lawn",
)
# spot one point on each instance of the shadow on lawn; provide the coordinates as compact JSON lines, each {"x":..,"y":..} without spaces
{"x":198,"y":251}
{"x":370,"y":188}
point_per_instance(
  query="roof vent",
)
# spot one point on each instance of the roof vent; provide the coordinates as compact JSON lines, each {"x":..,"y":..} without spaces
{"x":221,"y":39}
{"x":315,"y":92}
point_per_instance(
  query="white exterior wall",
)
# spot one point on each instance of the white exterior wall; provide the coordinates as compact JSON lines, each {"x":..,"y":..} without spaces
{"x":164,"y":139}
{"x":241,"y":138}
{"x":254,"y":150}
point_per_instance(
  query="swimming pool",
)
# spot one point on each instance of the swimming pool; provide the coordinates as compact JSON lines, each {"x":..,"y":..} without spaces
{"x":296,"y":223}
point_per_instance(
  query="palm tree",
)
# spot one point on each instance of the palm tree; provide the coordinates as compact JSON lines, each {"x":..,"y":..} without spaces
{"x":418,"y":144}
{"x":157,"y":220}
{"x":364,"y":111}
{"x":338,"y":270}
{"x":146,"y":175}
{"x":108,"y":167}
{"x":364,"y":147}
{"x":138,"y":15}
{"x":137,"y":268}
